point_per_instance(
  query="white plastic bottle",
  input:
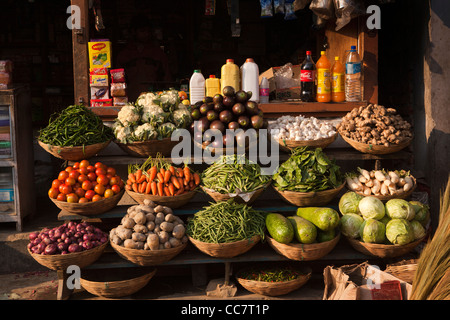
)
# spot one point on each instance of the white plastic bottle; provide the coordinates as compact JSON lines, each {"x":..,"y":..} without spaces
{"x":196,"y":87}
{"x":264,"y":91}
{"x":353,"y":78}
{"x":250,"y":78}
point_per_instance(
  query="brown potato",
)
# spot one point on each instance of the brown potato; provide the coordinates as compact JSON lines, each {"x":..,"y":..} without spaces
{"x":179,"y":231}
{"x":166,"y":226}
{"x":153,"y":241}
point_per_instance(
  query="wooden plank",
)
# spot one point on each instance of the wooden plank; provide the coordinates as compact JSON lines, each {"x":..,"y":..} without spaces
{"x":9,"y":216}
{"x":80,"y":55}
{"x":276,"y":109}
{"x":368,"y":46}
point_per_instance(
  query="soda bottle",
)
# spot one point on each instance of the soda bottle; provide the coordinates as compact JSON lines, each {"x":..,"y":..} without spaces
{"x":353,"y":69}
{"x":337,"y":81}
{"x":308,"y":79}
{"x":323,"y":79}
{"x":264,"y":91}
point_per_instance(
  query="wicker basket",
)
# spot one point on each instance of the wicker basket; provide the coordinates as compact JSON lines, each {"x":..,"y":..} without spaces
{"x":62,"y":261}
{"x":402,"y":195}
{"x":217,"y":196}
{"x":90,"y":208}
{"x":147,"y":257}
{"x":289,"y":145}
{"x":376,"y":149}
{"x":172,"y":202}
{"x":134,"y":282}
{"x":384,"y":250}
{"x":149,"y":148}
{"x":304,"y":252}
{"x":220,"y":151}
{"x":404,"y":270}
{"x":273,"y":289}
{"x":225,"y":250}
{"x":74,"y":153}
{"x":306,"y":199}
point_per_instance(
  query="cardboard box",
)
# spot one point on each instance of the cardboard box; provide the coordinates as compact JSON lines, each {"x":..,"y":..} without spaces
{"x":101,"y":92}
{"x":363,"y":282}
{"x":98,"y":80}
{"x":289,"y":93}
{"x":101,"y":103}
{"x":99,"y":53}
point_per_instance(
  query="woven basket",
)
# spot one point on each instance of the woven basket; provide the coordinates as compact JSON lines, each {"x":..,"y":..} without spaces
{"x":116,"y":288}
{"x":74,"y":153}
{"x":90,"y":208}
{"x":149,"y":148}
{"x":304,"y":252}
{"x":273,"y":289}
{"x":404,"y":270}
{"x":147,"y":257}
{"x":384,"y":250}
{"x":220,"y":151}
{"x":289,"y":145}
{"x":62,"y":261}
{"x":217,"y":196}
{"x":306,"y":199}
{"x":172,"y":202}
{"x":402,"y":195}
{"x":376,"y":149}
{"x":225,"y":250}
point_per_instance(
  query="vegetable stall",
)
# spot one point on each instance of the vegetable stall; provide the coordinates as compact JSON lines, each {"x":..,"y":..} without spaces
{"x":345,"y":204}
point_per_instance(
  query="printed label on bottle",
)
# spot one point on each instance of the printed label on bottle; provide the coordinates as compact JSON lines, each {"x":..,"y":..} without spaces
{"x":338,"y":82}
{"x":353,"y":67}
{"x":264,"y":91}
{"x":307,"y":75}
{"x":323,"y":80}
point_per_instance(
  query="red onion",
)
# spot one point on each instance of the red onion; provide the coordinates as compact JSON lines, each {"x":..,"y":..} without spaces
{"x":40,"y":247}
{"x":74,"y":248}
{"x":33,"y":235}
{"x":87,"y":236}
{"x":62,"y":246}
{"x":30,"y":245}
{"x":87,"y":245}
{"x":47,"y":240}
{"x":50,"y":249}
{"x":36,"y":241}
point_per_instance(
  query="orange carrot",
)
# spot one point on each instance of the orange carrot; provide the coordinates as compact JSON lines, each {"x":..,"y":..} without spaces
{"x":196,"y":178}
{"x":128,"y":187}
{"x":138,"y":175}
{"x":148,"y":188}
{"x":129,"y":182}
{"x":185,"y":181}
{"x":135,"y":187}
{"x":167,"y":175}
{"x":180,"y":172}
{"x":179,"y":191}
{"x":143,"y":187}
{"x":175,"y":182}
{"x":154,"y":188}
{"x":171,"y":189}
{"x":166,"y":191}
{"x":160,"y":189}
{"x":152,"y":173}
{"x":172,"y":170}
{"x":132,"y":177}
{"x":141,"y":179}
{"x":163,"y":171}
{"x":160,"y":177}
{"x":191,"y":184}
{"x":187,"y":173}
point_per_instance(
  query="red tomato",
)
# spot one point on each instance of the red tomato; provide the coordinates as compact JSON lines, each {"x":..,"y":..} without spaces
{"x":109,"y":176}
{"x":76,"y":165}
{"x":114,"y":180}
{"x":69,"y":169}
{"x":109,"y":193}
{"x":100,"y":171}
{"x":80,"y":192}
{"x":91,"y":168}
{"x":99,"y":189}
{"x":74,"y":174}
{"x":121,"y":184}
{"x":61,"y":197}
{"x":70,"y":181}
{"x":86,"y":185}
{"x":82,"y":178}
{"x":84,"y":164}
{"x":83,"y":170}
{"x":102,"y":179}
{"x":72,"y":198}
{"x":92,"y":176}
{"x":111,"y":171}
{"x":89,"y":194}
{"x":115,"y":188}
{"x":66,"y":189}
{"x":53,"y":193}
{"x":100,"y":165}
{"x":63,"y":175}
{"x":97,"y":197}
{"x":56,"y":183}
{"x":83,"y":200}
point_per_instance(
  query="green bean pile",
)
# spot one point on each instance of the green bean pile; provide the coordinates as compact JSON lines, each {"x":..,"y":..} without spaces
{"x":271,"y":274}
{"x":225,"y":222}
{"x":75,"y":126}
{"x":232,"y":173}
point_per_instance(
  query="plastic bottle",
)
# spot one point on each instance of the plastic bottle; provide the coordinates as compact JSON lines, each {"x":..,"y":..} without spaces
{"x":353,"y":72}
{"x":230,"y":76}
{"x":308,"y":79}
{"x":264,"y":91}
{"x":250,"y":78}
{"x":323,"y":79}
{"x":196,"y":87}
{"x":212,"y":86}
{"x":337,"y":81}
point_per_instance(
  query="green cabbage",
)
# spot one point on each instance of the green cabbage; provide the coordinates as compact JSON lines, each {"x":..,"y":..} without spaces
{"x":349,"y":202}
{"x":350,"y":224}
{"x":373,"y":231}
{"x":422,"y":212}
{"x":371,"y":208}
{"x":399,"y":231}
{"x":400,"y":209}
{"x":418,"y":229}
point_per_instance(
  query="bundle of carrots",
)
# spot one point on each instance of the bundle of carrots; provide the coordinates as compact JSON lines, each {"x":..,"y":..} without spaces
{"x":159,"y":177}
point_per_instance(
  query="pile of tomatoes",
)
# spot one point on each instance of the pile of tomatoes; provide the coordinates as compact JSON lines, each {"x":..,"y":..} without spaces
{"x":83,"y":182}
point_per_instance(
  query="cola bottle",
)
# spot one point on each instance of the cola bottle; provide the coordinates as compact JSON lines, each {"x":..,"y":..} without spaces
{"x":308,"y":79}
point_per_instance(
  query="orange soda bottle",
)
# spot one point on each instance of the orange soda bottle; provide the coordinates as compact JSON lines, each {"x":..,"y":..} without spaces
{"x":323,"y":79}
{"x":337,"y":81}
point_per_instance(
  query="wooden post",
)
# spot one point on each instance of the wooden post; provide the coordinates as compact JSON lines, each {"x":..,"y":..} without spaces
{"x":80,"y":38}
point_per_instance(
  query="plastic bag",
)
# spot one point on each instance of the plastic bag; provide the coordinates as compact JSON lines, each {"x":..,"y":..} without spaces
{"x":324,"y":9}
{"x":278,"y":6}
{"x":300,"y":4}
{"x":266,"y":8}
{"x":289,"y":9}
{"x":346,"y":10}
{"x":284,"y":77}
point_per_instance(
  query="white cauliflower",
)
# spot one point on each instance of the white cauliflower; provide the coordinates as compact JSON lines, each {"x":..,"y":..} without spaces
{"x":168,"y":100}
{"x":182,"y":117}
{"x":128,"y":115}
{"x":145,"y":132}
{"x":146,"y":99}
{"x":153,"y":114}
{"x":123,"y":134}
{"x":165,"y":130}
